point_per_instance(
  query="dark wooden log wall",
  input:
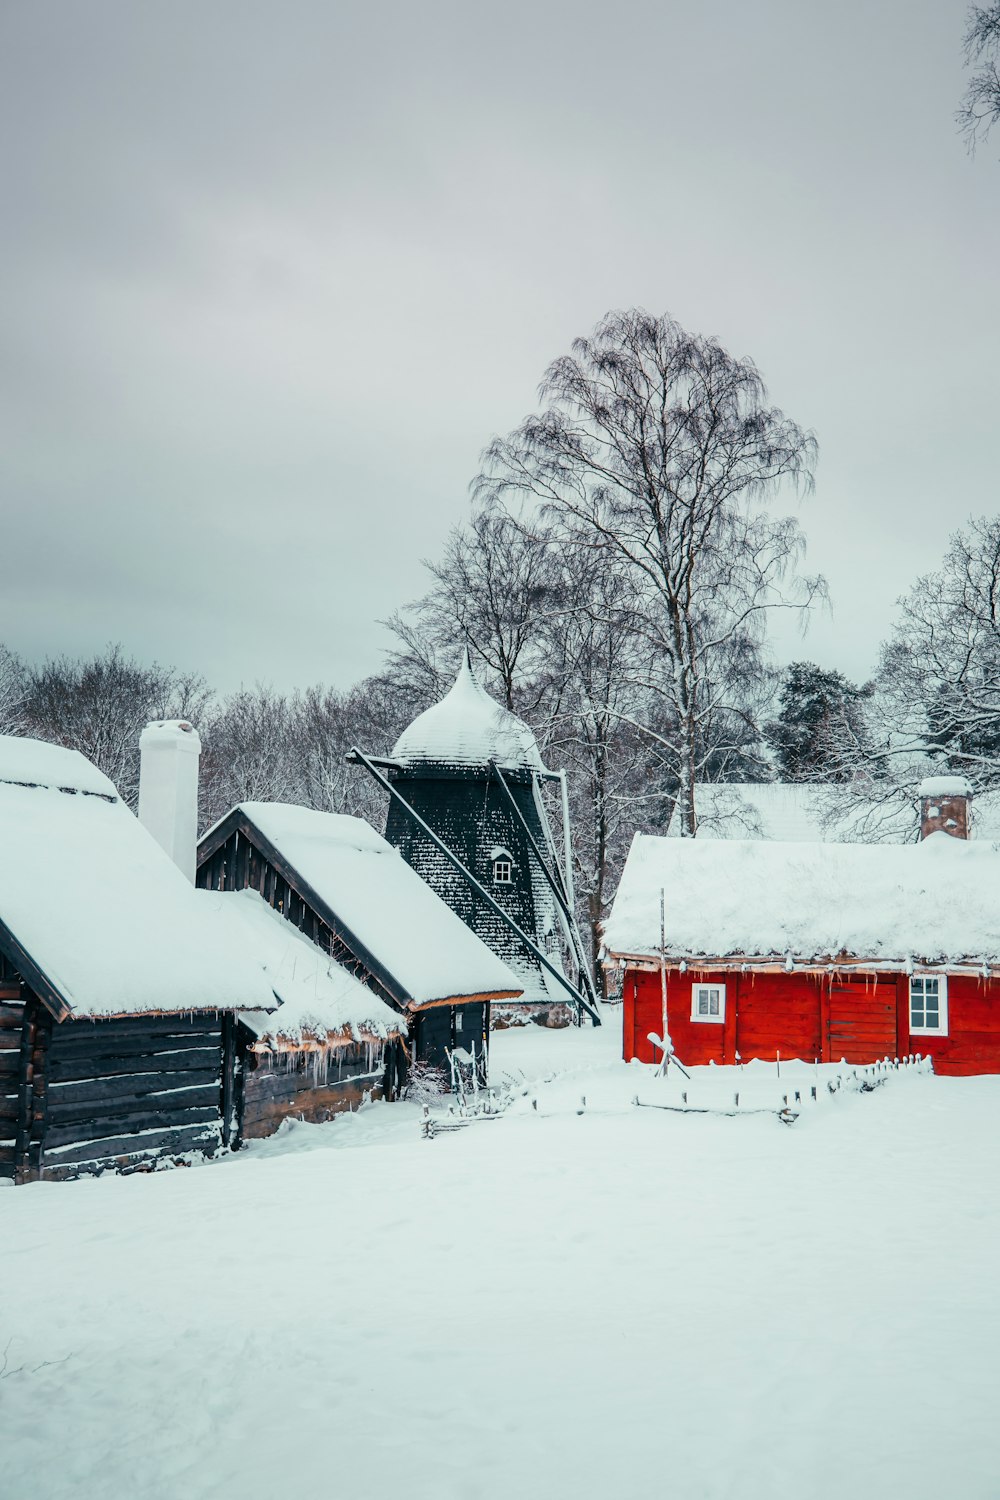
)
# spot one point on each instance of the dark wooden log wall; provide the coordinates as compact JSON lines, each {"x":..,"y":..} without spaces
{"x":11,"y":1095}
{"x":127,"y":1092}
{"x":307,"y":1085}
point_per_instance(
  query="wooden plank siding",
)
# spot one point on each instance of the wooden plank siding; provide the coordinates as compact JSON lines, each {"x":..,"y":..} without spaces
{"x":307,"y":1086}
{"x":811,"y":1016}
{"x":125,"y":1092}
{"x":11,"y":1029}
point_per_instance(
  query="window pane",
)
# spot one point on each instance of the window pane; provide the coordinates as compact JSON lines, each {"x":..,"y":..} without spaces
{"x":703,"y":1002}
{"x":713,"y":1003}
{"x":931,"y":1016}
{"x":931,"y":989}
{"x":916,"y":1012}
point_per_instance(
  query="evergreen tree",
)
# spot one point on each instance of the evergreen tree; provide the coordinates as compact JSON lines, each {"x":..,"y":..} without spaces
{"x":820,"y":729}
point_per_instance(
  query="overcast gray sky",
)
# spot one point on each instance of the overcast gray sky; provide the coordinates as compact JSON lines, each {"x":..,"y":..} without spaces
{"x":271,"y":275}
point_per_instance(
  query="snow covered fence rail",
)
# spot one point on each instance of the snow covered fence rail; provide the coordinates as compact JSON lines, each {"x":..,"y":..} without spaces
{"x":756,"y":1089}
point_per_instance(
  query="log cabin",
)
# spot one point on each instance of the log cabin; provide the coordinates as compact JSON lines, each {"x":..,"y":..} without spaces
{"x":345,"y":889}
{"x":118,"y":995}
{"x":814,"y":951}
{"x":323,"y":1050}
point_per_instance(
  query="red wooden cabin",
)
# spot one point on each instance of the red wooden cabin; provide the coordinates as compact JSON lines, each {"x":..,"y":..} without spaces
{"x":814,"y":951}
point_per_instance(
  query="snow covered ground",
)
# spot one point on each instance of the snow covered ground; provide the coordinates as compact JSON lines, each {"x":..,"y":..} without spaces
{"x":617,"y":1302}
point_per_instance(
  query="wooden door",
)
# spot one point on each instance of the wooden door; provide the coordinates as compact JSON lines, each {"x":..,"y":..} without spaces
{"x":434,"y":1037}
{"x":861,"y":1024}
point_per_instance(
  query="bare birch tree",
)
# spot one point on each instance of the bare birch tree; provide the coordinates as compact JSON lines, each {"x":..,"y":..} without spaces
{"x":659,"y":445}
{"x":980,"y":108}
{"x":940,"y":672}
{"x":490,"y":591}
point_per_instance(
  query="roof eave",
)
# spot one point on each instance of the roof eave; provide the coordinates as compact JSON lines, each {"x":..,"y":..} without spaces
{"x":781,"y":963}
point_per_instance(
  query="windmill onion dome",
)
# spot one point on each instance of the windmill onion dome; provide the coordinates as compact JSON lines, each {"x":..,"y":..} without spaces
{"x":468,"y":728}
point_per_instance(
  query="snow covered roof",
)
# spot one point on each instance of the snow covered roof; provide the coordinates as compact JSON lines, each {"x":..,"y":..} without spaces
{"x":793,"y":812}
{"x":37,"y":763}
{"x":469,"y":728}
{"x":372,"y":893}
{"x":936,"y":902}
{"x":944,"y":786}
{"x":96,"y":915}
{"x":321,"y":1000}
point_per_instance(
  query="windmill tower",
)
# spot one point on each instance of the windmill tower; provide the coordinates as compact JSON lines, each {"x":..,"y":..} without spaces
{"x":466,"y":812}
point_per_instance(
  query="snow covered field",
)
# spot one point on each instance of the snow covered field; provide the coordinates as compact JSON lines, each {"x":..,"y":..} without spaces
{"x":616,"y":1303}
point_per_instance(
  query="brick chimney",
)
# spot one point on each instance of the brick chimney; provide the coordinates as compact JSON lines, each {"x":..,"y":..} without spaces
{"x":168,"y":788}
{"x":944,"y":806}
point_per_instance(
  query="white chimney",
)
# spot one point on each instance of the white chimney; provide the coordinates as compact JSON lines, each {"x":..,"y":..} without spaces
{"x":168,"y":788}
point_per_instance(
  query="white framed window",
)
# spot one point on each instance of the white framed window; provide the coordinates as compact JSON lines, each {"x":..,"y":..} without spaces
{"x":459,"y":1018}
{"x":503,"y":871}
{"x":929,"y":1004}
{"x":708,"y":1002}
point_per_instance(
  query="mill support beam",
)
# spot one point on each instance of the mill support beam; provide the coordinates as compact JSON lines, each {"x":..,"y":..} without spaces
{"x":481,"y":891}
{"x":554,"y":884}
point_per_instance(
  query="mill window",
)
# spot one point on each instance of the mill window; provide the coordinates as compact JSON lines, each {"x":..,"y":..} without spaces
{"x":502,"y":871}
{"x":929,"y":1004}
{"x":708,"y":1002}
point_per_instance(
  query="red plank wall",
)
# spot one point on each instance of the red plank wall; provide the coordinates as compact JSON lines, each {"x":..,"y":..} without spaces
{"x":808,"y":1016}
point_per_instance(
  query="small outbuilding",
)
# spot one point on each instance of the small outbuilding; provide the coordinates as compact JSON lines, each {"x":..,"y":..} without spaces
{"x":118,"y":993}
{"x":349,"y":892}
{"x":323,"y":1050}
{"x":814,"y":951}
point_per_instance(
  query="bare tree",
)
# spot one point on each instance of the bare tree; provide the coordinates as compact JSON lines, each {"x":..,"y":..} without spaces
{"x":325,"y":725}
{"x":657,"y":444}
{"x":491,"y":589}
{"x":13,"y":692}
{"x":100,"y":706}
{"x":246,"y":752}
{"x":940,"y":672}
{"x":589,"y":703}
{"x":935,"y":702}
{"x":980,"y":108}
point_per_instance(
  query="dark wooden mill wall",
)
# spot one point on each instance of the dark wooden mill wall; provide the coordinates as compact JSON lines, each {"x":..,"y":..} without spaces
{"x":469,"y":811}
{"x":308,"y":1085}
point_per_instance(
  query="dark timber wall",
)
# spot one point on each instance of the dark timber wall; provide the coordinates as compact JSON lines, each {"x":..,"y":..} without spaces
{"x":312,"y":1086}
{"x":79,"y":1096}
{"x":469,"y":811}
{"x":24,"y":1033}
{"x":125,"y":1092}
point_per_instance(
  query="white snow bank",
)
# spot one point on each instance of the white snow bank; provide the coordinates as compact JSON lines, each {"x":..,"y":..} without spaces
{"x":321,"y":1001}
{"x":765,"y":1311}
{"x":394,"y":914}
{"x":468,"y":727}
{"x":935,"y":901}
{"x":100,"y":908}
